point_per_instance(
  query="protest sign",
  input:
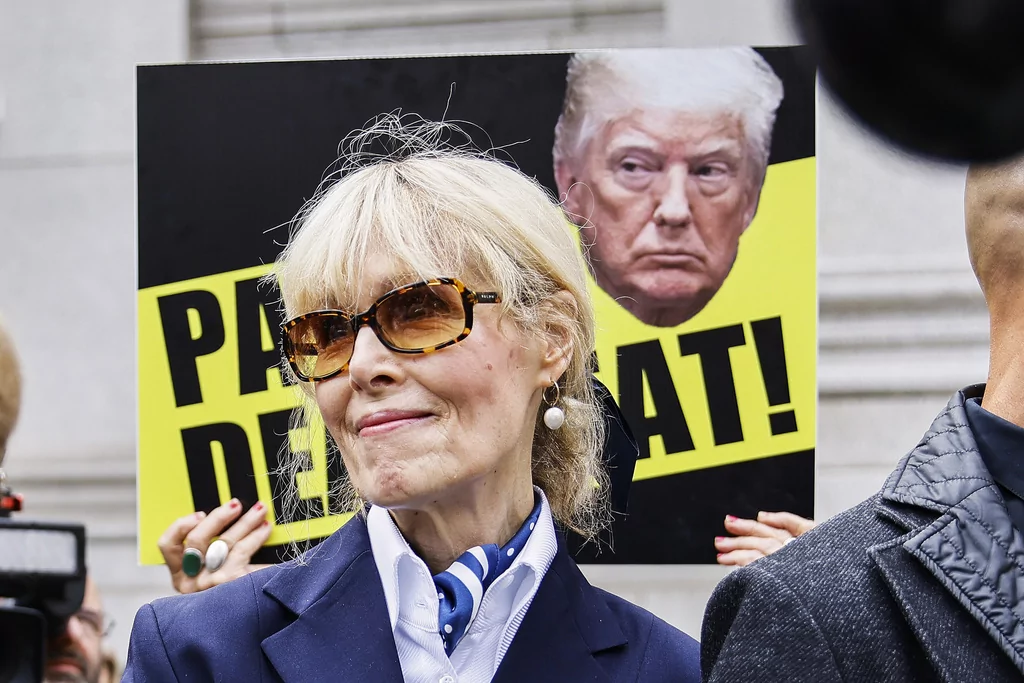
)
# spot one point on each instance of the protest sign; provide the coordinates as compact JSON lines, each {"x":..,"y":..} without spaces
{"x":723,"y":403}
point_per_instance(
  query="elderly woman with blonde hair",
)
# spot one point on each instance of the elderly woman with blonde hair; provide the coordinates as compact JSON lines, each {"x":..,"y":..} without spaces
{"x":440,"y":327}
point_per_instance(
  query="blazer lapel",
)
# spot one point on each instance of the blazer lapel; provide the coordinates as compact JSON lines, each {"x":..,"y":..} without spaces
{"x":958,"y":657}
{"x":342,"y":631}
{"x":568,"y":623}
{"x":991,"y":590}
{"x":972,"y":547}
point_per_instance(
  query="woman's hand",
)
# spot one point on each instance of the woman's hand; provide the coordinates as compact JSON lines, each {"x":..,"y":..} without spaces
{"x":244,"y":537}
{"x":757,"y":538}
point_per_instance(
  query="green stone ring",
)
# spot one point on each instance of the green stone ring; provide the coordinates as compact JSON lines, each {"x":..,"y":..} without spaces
{"x":192,"y":562}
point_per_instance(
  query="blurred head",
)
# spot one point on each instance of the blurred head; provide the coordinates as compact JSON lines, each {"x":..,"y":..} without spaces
{"x":10,"y":389}
{"x":415,"y":428}
{"x":76,"y":656}
{"x":660,"y":156}
{"x":109,"y":668}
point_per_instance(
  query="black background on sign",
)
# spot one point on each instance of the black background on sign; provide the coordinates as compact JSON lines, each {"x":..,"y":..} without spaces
{"x":227,"y":152}
{"x":674,"y":519}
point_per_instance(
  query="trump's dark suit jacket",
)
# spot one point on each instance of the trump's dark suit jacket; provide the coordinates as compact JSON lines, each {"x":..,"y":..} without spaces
{"x":922,"y":582}
{"x":327,"y":621}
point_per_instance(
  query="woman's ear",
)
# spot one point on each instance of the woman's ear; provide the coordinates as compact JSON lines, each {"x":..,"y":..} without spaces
{"x":559,"y":314}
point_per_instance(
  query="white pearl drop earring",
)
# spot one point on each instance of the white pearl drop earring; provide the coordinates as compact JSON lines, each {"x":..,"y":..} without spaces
{"x":554,"y":417}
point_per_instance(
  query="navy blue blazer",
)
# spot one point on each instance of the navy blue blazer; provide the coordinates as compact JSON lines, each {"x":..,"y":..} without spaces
{"x":327,"y":620}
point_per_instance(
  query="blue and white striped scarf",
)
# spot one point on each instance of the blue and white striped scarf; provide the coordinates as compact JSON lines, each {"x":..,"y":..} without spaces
{"x":461,"y":587}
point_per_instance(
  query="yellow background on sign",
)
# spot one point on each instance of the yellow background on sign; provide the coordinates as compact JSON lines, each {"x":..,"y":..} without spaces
{"x":164,"y":492}
{"x":774,"y":275}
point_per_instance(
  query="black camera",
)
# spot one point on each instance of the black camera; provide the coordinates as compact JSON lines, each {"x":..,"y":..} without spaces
{"x":42,"y":584}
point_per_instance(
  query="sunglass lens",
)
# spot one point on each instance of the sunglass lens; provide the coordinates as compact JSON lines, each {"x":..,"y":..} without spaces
{"x":423,"y":316}
{"x":321,"y":344}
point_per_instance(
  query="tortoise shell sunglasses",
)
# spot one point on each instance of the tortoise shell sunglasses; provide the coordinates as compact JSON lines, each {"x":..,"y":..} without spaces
{"x":417,"y":318}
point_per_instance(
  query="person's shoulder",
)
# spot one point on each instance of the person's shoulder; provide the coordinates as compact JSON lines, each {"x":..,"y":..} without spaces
{"x":231,"y":608}
{"x":199,"y":634}
{"x":830,"y":565}
{"x":639,"y":621}
{"x":822,"y":594}
{"x":839,"y":543}
{"x":666,"y":650}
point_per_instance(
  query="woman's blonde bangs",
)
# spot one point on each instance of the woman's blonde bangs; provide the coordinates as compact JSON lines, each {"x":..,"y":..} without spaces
{"x":464,"y":217}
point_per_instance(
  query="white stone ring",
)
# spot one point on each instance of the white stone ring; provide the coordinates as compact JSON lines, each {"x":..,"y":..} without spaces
{"x":217,"y":554}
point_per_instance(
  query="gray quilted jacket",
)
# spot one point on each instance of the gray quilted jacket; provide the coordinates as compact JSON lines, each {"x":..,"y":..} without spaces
{"x":922,"y":582}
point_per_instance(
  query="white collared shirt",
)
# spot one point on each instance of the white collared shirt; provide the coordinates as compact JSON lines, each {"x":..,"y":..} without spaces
{"x":412,"y":601}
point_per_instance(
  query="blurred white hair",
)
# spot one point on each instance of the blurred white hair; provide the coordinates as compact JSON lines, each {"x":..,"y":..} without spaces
{"x":10,"y":388}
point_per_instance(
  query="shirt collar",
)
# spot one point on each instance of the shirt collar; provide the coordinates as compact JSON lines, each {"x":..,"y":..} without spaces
{"x":1001,"y":445}
{"x":401,"y":568}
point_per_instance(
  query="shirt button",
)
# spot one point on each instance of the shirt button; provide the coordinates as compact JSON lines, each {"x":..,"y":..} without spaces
{"x":446,"y":679}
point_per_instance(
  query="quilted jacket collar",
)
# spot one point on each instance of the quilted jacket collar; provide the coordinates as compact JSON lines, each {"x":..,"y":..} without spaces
{"x":972,"y":547}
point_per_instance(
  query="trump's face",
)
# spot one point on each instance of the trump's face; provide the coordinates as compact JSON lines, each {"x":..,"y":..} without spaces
{"x":662,"y":197}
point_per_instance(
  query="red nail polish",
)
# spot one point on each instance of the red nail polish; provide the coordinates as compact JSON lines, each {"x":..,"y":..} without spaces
{"x":265,"y":523}
{"x":257,"y":506}
{"x":719,"y":538}
{"x":731,"y":518}
{"x":234,"y":504}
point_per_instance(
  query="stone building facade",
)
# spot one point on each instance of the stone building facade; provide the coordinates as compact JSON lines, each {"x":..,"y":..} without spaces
{"x":901,"y":324}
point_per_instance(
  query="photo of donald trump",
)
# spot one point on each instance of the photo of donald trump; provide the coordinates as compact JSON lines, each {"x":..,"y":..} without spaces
{"x":659,"y":159}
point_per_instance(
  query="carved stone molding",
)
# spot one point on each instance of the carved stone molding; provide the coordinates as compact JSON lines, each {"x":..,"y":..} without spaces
{"x":890,"y":327}
{"x":232,"y":29}
{"x":97,"y":490}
